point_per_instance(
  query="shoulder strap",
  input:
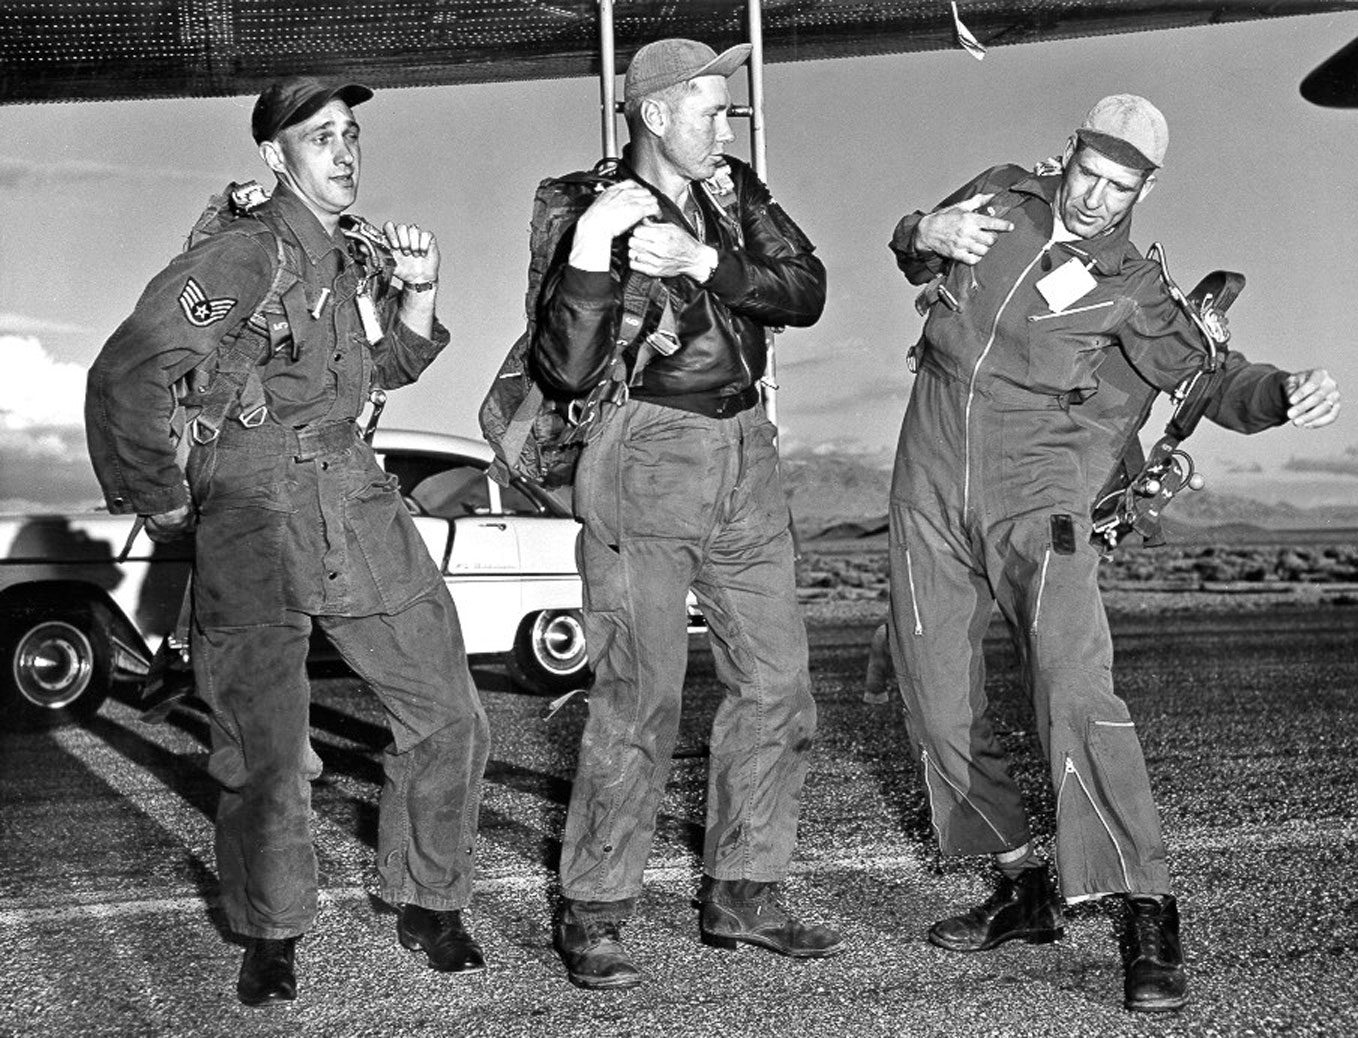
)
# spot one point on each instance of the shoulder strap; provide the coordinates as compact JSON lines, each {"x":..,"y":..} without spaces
{"x":236,"y":379}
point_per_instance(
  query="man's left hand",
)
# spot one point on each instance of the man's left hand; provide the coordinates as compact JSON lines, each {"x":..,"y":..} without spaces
{"x":663,"y":250}
{"x":1313,"y":399}
{"x":416,"y":252}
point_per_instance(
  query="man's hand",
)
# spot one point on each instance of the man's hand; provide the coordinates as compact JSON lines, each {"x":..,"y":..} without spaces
{"x":416,"y":252}
{"x":663,"y":250}
{"x":617,"y":210}
{"x":1313,"y":399}
{"x":168,"y":526}
{"x":960,"y":232}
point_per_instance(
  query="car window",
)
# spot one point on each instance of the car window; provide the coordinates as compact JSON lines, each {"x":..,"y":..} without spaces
{"x":444,"y":487}
{"x":516,"y":502}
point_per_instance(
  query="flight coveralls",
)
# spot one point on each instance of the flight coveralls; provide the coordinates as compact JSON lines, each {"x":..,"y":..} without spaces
{"x":1000,"y":450}
{"x":297,"y":525}
{"x":678,"y":488}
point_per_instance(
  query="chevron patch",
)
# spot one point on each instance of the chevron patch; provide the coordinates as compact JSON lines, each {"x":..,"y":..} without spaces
{"x":199,"y":309}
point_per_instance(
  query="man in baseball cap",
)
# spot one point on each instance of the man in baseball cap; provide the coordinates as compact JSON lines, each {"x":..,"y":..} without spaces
{"x":282,"y":323}
{"x":682,"y":490}
{"x":1036,"y":300}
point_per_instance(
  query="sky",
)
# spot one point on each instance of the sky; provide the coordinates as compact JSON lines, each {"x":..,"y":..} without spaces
{"x":96,"y":197}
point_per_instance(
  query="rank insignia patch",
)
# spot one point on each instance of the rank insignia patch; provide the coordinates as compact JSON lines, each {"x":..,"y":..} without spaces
{"x":199,"y":309}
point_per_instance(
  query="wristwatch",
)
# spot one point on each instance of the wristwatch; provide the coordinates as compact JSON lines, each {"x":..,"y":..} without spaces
{"x":421,"y":286}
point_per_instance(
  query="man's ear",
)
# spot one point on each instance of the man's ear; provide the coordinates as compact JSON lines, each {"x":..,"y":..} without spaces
{"x":655,"y":115}
{"x":1146,"y":186}
{"x":1070,"y":150}
{"x":272,"y":155}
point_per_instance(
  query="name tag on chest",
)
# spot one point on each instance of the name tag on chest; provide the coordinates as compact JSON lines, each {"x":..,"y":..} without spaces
{"x":1066,"y":285}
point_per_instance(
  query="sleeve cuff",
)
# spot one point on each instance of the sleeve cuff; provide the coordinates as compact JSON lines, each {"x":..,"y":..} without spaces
{"x":591,"y":285}
{"x":728,"y":277}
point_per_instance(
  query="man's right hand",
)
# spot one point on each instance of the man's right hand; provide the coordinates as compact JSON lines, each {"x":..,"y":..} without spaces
{"x":616,"y":211}
{"x":960,"y":232}
{"x":168,"y":526}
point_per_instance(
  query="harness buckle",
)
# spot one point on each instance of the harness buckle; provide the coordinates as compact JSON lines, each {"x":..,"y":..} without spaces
{"x":255,"y":417}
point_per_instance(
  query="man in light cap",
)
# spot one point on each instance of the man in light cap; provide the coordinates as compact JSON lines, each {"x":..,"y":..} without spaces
{"x":271,"y":330}
{"x":678,"y":487}
{"x":1034,"y":294}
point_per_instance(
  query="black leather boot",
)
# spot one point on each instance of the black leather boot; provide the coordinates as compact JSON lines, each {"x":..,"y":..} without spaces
{"x":1023,"y":909}
{"x":266,"y":972}
{"x":590,"y":944}
{"x":741,"y":911}
{"x":442,"y":937}
{"x":1152,"y":958}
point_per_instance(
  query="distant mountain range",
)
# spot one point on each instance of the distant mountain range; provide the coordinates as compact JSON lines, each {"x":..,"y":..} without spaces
{"x":843,"y":496}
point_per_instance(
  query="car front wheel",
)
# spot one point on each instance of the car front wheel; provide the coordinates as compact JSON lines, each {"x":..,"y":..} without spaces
{"x":56,"y":666}
{"x":549,"y":652}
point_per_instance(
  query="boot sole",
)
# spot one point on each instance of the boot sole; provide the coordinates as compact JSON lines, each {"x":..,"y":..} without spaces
{"x":1026,"y":936}
{"x":604,"y":983}
{"x":1168,"y":1005}
{"x":729,"y":943}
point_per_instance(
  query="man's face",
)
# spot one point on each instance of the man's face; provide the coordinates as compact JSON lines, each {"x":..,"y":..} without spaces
{"x":1097,"y":193}
{"x":697,"y":131}
{"x":320,"y":158}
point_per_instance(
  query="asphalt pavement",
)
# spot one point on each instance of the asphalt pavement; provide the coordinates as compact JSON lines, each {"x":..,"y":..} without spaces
{"x":1249,"y":718}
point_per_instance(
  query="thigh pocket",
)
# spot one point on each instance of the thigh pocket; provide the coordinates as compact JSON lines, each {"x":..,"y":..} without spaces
{"x":669,"y":474}
{"x":239,"y":565}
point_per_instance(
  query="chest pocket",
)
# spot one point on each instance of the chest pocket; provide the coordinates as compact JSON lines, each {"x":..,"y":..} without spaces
{"x":1065,"y":349}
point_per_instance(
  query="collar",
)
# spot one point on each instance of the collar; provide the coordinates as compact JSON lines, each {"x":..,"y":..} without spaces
{"x":1108,"y":251}
{"x":629,"y":172}
{"x":305,"y":227}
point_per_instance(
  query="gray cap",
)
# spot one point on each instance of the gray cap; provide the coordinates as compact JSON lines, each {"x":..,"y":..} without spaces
{"x":666,"y":62}
{"x":1127,"y":129}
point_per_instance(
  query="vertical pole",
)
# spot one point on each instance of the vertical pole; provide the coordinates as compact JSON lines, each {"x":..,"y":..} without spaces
{"x":608,"y":106}
{"x":755,"y":70}
{"x":759,"y":160}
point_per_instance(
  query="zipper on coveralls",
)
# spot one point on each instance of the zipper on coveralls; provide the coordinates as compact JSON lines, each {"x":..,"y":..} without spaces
{"x":914,"y":601}
{"x":1060,"y":791}
{"x":1034,"y":318}
{"x":976,"y":370}
{"x":933,"y":811}
{"x":1041,"y":587}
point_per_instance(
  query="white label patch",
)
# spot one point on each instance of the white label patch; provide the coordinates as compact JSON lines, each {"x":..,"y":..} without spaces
{"x":199,"y":309}
{"x":1067,"y":284}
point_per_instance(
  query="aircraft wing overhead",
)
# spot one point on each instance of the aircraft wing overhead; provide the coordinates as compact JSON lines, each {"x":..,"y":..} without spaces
{"x":91,"y":50}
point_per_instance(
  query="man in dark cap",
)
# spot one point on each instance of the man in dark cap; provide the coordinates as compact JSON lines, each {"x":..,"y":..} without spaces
{"x":272,"y":331}
{"x":677,"y":488}
{"x":1033,"y":286}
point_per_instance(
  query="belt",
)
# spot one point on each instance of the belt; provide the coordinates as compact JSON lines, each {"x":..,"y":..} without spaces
{"x":712,"y":404}
{"x":302,"y":444}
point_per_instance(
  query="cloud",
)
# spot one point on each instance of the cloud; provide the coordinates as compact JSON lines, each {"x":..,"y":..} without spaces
{"x":21,"y":324}
{"x":1340,"y":465}
{"x":37,"y":390}
{"x":25,"y":175}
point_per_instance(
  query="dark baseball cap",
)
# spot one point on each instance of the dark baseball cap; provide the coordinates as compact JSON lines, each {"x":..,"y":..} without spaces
{"x":286,"y":102}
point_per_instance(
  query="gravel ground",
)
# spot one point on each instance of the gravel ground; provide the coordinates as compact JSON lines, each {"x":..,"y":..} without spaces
{"x":1249,"y":717}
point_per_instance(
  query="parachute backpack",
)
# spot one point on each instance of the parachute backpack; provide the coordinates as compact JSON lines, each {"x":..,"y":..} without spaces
{"x":537,"y":437}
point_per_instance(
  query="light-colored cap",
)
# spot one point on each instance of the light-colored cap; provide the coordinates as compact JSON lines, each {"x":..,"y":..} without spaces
{"x":1127,"y":129}
{"x":666,"y":62}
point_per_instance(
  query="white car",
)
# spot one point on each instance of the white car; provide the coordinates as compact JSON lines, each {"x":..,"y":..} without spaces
{"x":72,"y":619}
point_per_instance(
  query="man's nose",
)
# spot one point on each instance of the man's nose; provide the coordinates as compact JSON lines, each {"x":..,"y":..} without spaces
{"x":724,"y":133}
{"x":1095,"y":195}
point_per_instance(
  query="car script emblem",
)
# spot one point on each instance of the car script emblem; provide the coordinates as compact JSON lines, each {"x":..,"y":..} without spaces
{"x":199,"y":309}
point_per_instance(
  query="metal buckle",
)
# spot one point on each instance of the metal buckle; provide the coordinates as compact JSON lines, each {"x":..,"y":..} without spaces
{"x":196,"y":434}
{"x":253,"y":419}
